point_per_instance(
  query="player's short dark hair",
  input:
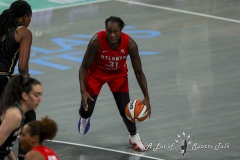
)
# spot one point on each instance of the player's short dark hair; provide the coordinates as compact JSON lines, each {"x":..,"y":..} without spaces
{"x":115,"y":19}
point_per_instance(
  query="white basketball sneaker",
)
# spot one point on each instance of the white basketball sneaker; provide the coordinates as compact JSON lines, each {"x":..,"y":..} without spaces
{"x":83,"y":125}
{"x":137,"y":143}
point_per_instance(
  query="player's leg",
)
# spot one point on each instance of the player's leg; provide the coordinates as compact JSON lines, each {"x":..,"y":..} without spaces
{"x":84,"y":120}
{"x":93,"y":87}
{"x":120,"y":90}
{"x":91,"y":105}
{"x":122,"y":99}
{"x":29,"y":116}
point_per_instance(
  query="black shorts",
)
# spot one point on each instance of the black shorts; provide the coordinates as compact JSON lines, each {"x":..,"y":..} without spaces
{"x":3,"y":82}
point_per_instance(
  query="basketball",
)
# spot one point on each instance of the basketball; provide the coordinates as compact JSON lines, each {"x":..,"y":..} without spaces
{"x":135,"y":110}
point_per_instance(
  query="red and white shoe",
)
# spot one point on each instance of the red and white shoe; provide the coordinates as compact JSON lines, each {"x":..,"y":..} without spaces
{"x":137,"y":143}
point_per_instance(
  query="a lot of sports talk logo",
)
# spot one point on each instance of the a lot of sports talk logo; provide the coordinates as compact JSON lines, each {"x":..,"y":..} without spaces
{"x":185,"y":145}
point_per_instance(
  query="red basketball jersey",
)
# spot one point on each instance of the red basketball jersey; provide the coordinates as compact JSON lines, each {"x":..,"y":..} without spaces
{"x":110,"y":63}
{"x":46,"y":152}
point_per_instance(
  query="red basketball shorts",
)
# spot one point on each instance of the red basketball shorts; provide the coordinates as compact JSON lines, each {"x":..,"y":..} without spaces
{"x":94,"y":84}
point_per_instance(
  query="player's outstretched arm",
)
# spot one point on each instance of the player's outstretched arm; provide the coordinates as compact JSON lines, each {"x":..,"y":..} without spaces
{"x":24,"y":50}
{"x":140,"y":76}
{"x":90,"y":53}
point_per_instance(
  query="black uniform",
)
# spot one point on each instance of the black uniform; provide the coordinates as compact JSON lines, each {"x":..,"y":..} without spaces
{"x":9,"y":54}
{"x":6,"y":148}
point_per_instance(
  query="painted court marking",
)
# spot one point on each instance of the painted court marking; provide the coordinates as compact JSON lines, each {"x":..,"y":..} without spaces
{"x":180,"y":11}
{"x":7,"y":5}
{"x":70,"y":5}
{"x":105,"y":149}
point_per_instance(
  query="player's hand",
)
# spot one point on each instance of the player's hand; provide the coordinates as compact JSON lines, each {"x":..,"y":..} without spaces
{"x":147,"y":103}
{"x":85,"y":96}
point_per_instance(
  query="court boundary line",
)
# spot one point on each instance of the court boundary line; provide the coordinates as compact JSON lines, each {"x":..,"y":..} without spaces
{"x":180,"y":11}
{"x":105,"y":149}
{"x":70,"y":5}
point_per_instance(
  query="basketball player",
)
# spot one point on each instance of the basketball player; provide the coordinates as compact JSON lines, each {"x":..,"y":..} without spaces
{"x":15,"y":45}
{"x":105,"y":62}
{"x":32,"y":136}
{"x":20,"y":95}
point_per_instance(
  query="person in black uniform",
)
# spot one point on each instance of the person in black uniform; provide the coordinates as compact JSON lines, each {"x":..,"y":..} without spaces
{"x":20,"y":95}
{"x":15,"y":46}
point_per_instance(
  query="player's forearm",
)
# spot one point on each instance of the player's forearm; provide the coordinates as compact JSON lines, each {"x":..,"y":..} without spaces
{"x":143,"y":84}
{"x":23,"y":70}
{"x":23,"y":66}
{"x":82,"y":78}
{"x":3,"y":138}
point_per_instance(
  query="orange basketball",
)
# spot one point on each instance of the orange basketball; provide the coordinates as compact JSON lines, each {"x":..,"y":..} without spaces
{"x":135,"y":110}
